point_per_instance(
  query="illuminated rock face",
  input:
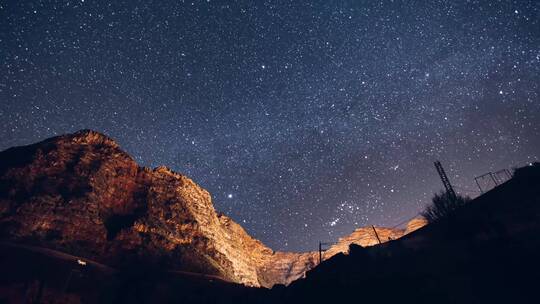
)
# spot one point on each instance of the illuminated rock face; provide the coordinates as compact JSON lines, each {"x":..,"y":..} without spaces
{"x":415,"y":224}
{"x":80,"y":193}
{"x":366,"y":236}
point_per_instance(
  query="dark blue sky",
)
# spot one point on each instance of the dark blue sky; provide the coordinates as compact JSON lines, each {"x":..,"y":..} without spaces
{"x":304,"y":121}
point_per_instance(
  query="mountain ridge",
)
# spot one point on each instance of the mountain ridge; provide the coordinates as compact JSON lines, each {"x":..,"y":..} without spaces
{"x":82,"y":194}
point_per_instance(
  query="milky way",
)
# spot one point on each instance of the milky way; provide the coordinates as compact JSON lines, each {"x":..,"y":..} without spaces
{"x":303,"y":121}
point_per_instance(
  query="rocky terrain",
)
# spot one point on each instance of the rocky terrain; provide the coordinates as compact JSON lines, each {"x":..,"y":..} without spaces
{"x":365,"y":236}
{"x":81,"y":194}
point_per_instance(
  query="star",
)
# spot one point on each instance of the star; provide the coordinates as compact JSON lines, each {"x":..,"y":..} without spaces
{"x":359,"y":102}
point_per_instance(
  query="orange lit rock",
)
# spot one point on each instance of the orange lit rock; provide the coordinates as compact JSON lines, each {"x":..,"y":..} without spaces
{"x":366,"y":236}
{"x":80,"y":193}
{"x":415,"y":224}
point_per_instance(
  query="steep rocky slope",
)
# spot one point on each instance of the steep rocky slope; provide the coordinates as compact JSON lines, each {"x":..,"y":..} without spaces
{"x":365,"y":236}
{"x":80,"y":193}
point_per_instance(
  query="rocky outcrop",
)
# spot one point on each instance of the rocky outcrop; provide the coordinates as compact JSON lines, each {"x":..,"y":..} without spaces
{"x":80,"y":193}
{"x":369,"y":236}
{"x":415,"y":224}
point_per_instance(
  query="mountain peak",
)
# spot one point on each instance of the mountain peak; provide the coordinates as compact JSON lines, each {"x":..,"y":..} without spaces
{"x":80,"y":193}
{"x":91,"y":137}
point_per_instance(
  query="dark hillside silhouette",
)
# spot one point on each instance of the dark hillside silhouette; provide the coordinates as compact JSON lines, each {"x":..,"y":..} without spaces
{"x":486,"y":251}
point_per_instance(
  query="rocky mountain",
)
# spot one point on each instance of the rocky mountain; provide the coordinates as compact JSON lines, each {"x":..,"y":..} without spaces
{"x":369,"y":236}
{"x":81,"y":194}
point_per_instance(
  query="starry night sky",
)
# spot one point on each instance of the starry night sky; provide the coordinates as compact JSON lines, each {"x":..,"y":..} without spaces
{"x":304,"y":121}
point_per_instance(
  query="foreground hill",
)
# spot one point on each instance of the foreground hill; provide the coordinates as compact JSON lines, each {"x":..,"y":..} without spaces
{"x":487,"y":252}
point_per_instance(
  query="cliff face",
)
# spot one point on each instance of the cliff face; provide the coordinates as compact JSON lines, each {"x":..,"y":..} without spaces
{"x":369,"y":236}
{"x":82,"y":194}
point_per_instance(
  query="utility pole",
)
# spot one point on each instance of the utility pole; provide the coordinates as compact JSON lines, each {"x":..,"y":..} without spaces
{"x":320,"y":252}
{"x":508,"y":173}
{"x":376,"y":234}
{"x":446,"y":182}
{"x":321,"y":249}
{"x":493,"y":179}
{"x":478,"y":184}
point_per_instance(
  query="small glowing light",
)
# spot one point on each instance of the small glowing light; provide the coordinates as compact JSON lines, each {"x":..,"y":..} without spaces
{"x":81,"y":262}
{"x":229,"y":195}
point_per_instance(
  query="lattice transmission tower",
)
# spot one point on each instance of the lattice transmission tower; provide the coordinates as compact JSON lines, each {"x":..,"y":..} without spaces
{"x":446,"y":182}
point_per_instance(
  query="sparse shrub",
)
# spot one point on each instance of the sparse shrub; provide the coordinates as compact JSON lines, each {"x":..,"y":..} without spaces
{"x":442,"y":205}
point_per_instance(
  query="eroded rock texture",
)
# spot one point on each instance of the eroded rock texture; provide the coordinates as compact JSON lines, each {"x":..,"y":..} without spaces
{"x":82,"y":194}
{"x":369,"y":236}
